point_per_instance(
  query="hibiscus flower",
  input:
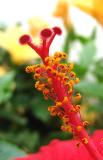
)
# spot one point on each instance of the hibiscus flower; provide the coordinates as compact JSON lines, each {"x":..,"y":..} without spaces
{"x":56,"y":80}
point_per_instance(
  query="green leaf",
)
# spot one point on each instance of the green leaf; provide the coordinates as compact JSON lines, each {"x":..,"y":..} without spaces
{"x":7,"y":86}
{"x":90,"y":89}
{"x":87,"y":54}
{"x":79,"y":70}
{"x":98,"y":69}
{"x":40,"y":108}
{"x":9,"y":151}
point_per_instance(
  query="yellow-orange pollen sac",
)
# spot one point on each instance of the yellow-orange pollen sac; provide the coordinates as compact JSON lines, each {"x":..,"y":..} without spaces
{"x":85,"y":140}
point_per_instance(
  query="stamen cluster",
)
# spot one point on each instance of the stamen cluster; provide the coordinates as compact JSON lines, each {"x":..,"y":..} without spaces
{"x":55,"y":73}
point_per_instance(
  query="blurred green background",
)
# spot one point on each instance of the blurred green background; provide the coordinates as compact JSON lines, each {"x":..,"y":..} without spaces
{"x":25,"y":123}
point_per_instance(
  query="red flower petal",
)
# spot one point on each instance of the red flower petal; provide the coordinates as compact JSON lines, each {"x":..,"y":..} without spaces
{"x":60,"y":150}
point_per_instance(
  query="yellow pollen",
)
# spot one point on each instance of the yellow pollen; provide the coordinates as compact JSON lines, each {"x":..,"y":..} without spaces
{"x":85,"y":140}
{"x":72,"y":74}
{"x":61,"y":74}
{"x":65,"y":100}
{"x":36,"y":76}
{"x":65,"y":78}
{"x":72,"y":109}
{"x":78,"y":96}
{"x":71,"y":82}
{"x":64,"y":55}
{"x":70,"y":67}
{"x":79,"y":128}
{"x":45,"y":91}
{"x":56,"y":60}
{"x":77,"y":108}
{"x":85,"y":123}
{"x":48,"y":68}
{"x":77,"y":80}
{"x":30,"y":69}
{"x":49,"y":80}
{"x":70,"y":91}
{"x":48,"y":60}
{"x":58,"y":104}
{"x":52,"y":110}
{"x":65,"y":120}
{"x":55,"y":73}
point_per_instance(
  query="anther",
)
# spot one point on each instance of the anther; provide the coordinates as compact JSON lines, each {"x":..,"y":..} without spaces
{"x":85,"y":140}
{"x":58,"y":104}
{"x":72,"y":74}
{"x":85,"y":123}
{"x":77,"y":80}
{"x":77,"y":108}
{"x":79,"y":128}
{"x":30,"y":69}
{"x":65,"y":100}
{"x":78,"y":96}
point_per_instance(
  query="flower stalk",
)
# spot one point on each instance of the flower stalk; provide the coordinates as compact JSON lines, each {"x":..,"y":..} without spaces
{"x":56,"y":80}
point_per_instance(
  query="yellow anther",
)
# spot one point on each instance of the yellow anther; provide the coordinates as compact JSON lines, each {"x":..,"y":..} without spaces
{"x":48,"y":68}
{"x":30,"y":69}
{"x":66,"y":128}
{"x":65,"y":78}
{"x":72,"y":109}
{"x":72,"y":74}
{"x":48,"y":60}
{"x":65,"y":100}
{"x":36,"y":76}
{"x":38,"y":70}
{"x":69,"y":128}
{"x":71,"y":82}
{"x":37,"y":84}
{"x":79,"y":128}
{"x":57,"y":54}
{"x":78,"y":96}
{"x":70,"y":91}
{"x":70,"y":67}
{"x":45,"y":91}
{"x":65,"y":120}
{"x":49,"y":80}
{"x":52,"y":110}
{"x":85,"y":123}
{"x":55,"y":73}
{"x":61,"y":66}
{"x":56,"y":60}
{"x":59,"y":104}
{"x":61,"y":75}
{"x":68,"y":85}
{"x":39,"y":88}
{"x":85,"y":140}
{"x":77,"y":80}
{"x":77,"y":108}
{"x":64,"y":55}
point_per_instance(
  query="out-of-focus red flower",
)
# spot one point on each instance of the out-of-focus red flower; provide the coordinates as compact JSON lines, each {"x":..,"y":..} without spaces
{"x":66,"y":150}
